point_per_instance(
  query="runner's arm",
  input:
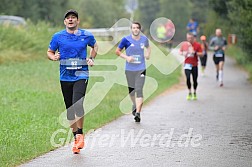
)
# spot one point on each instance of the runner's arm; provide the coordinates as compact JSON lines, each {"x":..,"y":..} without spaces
{"x":148,"y":52}
{"x":224,"y":48}
{"x":93,"y":53}
{"x":52,"y":55}
{"x":188,"y":27}
{"x":199,"y":51}
{"x":211,"y":45}
{"x":124,"y":56}
{"x":200,"y":54}
{"x":225,"y":45}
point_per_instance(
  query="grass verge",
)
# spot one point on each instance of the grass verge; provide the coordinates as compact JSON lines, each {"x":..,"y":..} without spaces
{"x":242,"y":59}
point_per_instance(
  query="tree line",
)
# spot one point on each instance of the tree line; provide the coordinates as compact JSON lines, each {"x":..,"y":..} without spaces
{"x":233,"y":16}
{"x":35,"y":10}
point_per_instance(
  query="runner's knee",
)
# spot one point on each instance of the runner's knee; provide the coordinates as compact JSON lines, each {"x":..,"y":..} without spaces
{"x":188,"y":83}
{"x":131,"y":91}
{"x":139,"y":92}
{"x":79,"y":110}
{"x":70,"y":114}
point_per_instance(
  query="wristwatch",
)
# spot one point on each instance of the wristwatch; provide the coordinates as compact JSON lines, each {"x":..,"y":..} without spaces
{"x":91,"y":58}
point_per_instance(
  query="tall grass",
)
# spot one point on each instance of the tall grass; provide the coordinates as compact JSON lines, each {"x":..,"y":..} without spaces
{"x":24,"y":43}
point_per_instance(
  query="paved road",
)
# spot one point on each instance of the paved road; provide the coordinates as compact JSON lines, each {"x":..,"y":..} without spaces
{"x":215,"y":130}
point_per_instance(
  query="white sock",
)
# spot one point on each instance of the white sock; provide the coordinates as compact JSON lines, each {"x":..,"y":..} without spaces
{"x":221,"y":76}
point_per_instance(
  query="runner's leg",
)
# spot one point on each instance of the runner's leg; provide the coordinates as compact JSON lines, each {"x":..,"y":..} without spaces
{"x":79,"y":91}
{"x":67,"y":91}
{"x":216,"y":62}
{"x":188,"y":81}
{"x":221,"y":65}
{"x":195,"y":77}
{"x":130,"y":76}
{"x":140,"y":80}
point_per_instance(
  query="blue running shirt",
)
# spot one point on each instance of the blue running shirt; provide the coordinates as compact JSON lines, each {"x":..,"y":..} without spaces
{"x":72,"y":47}
{"x":135,"y":48}
{"x":193,"y":27}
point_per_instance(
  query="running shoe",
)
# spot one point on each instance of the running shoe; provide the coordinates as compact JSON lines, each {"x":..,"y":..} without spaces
{"x":75,"y":148}
{"x":80,"y":140}
{"x":189,"y":96}
{"x":194,"y":97}
{"x":137,"y":117}
{"x":133,"y":110}
{"x":221,"y":85}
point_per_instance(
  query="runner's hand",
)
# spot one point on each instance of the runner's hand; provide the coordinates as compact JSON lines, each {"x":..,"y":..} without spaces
{"x":130,"y":59}
{"x":147,"y":57}
{"x":216,"y":48}
{"x":56,"y":56}
{"x":90,"y":62}
{"x":184,"y":53}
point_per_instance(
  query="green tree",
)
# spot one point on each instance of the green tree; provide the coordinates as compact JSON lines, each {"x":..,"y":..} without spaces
{"x":100,"y":14}
{"x":179,"y":12}
{"x":147,"y":13}
{"x":199,"y":10}
{"x":46,"y":10}
{"x":240,"y":16}
{"x":220,"y":7}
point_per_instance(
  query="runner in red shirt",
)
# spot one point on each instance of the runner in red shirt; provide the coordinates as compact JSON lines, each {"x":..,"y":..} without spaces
{"x":191,"y":50}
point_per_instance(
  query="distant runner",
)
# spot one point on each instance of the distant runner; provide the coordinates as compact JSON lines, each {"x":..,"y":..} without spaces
{"x":193,"y":27}
{"x":218,"y":44}
{"x":203,"y":60}
{"x":191,"y":50}
{"x":135,"y":68}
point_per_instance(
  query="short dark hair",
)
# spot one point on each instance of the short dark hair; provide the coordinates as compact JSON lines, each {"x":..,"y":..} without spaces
{"x":191,"y":34}
{"x":135,"y":22}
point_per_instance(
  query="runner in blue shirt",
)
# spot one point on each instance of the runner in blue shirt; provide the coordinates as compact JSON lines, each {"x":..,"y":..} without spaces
{"x":135,"y":68}
{"x":193,"y":27}
{"x":69,"y":46}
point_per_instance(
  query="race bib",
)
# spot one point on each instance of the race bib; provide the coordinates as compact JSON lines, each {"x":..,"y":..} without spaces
{"x":218,"y":55}
{"x":137,"y":59}
{"x":190,"y":55}
{"x":73,"y":63}
{"x":188,"y":66}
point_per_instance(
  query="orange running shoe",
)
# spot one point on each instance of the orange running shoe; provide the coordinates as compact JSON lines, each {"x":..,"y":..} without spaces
{"x":80,"y":141}
{"x":75,"y":148}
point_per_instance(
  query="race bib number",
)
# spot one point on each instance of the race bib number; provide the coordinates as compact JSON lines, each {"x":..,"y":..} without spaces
{"x":73,"y":63}
{"x":190,"y":55}
{"x":188,"y":67}
{"x":218,"y":55}
{"x":137,"y":59}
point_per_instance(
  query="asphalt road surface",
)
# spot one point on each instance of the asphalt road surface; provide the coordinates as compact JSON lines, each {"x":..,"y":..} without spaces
{"x":215,"y":130}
